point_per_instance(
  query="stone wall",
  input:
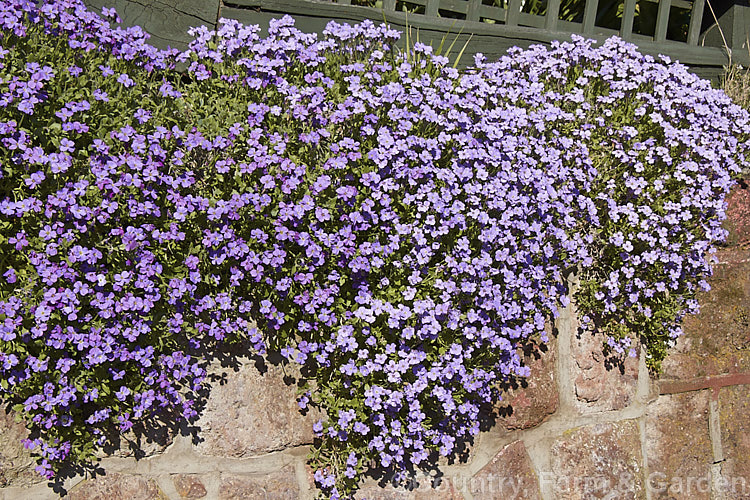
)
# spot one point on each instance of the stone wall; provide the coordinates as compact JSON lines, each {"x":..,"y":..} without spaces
{"x":579,"y":429}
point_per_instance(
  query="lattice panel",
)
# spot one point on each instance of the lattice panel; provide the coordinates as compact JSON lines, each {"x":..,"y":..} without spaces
{"x":596,"y":16}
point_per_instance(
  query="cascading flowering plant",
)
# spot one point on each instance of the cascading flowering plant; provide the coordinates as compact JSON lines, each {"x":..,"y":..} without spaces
{"x":399,"y":228}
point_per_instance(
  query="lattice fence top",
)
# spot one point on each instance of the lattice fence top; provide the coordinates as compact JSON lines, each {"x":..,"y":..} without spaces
{"x":652,"y":20}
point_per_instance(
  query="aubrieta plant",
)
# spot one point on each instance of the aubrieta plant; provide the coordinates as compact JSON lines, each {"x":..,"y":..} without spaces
{"x":400,"y":229}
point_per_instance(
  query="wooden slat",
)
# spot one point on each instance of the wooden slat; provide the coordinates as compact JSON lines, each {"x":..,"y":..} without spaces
{"x":589,"y":15}
{"x":662,"y":20}
{"x":552,"y":15}
{"x":389,"y":5}
{"x":532,"y":20}
{"x":491,"y":12}
{"x":431,"y":9}
{"x":628,"y":16}
{"x":680,"y":4}
{"x":491,"y":39}
{"x":472,"y":12}
{"x":453,"y":6}
{"x":696,"y":18}
{"x":514,"y":12}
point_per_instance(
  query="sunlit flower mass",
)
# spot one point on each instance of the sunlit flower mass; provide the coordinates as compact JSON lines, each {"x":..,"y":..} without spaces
{"x":397,"y":227}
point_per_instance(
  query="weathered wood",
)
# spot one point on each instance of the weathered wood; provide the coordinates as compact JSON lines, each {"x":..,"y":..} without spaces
{"x":458,"y":6}
{"x":487,"y":38}
{"x":513,"y":13}
{"x":696,"y":17}
{"x":167,"y":21}
{"x":552,"y":14}
{"x":526,"y":19}
{"x":431,"y":9}
{"x":589,"y":16}
{"x":662,"y":20}
{"x":628,"y":16}
{"x":680,"y":4}
{"x":472,"y":10}
{"x":490,"y":12}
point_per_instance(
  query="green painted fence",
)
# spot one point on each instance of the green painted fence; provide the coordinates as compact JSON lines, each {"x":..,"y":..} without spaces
{"x":669,"y":27}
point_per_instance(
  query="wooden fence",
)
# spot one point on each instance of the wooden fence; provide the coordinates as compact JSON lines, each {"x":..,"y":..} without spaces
{"x":681,"y":29}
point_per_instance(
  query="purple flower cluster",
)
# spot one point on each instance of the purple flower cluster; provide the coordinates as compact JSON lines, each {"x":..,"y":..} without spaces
{"x":99,"y":305}
{"x":427,"y":218}
{"x":399,"y":228}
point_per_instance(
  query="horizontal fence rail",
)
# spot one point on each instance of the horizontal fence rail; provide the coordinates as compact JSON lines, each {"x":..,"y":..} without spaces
{"x":630,"y":19}
{"x":675,"y":28}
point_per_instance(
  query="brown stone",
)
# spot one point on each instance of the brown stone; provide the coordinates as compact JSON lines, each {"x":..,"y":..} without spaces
{"x":143,"y":444}
{"x":535,"y":398}
{"x":252,"y":413}
{"x":601,"y":382}
{"x":16,"y":464}
{"x":738,"y":215}
{"x":717,"y":340}
{"x":189,"y":486}
{"x":117,"y":487}
{"x":678,"y":445}
{"x":598,"y":461}
{"x":509,"y":475}
{"x":281,"y":485}
{"x":422,"y":488}
{"x":734,"y":420}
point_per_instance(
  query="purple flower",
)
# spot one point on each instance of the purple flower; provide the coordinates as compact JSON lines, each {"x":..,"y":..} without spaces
{"x":125,"y":80}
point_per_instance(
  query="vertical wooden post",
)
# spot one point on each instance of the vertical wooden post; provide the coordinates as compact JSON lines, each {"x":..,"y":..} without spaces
{"x":696,"y":18}
{"x":389,"y":5}
{"x":662,"y":20}
{"x":431,"y":9}
{"x":589,"y":15}
{"x":472,"y":10}
{"x":513,"y":13}
{"x":628,"y":16}
{"x":552,"y":15}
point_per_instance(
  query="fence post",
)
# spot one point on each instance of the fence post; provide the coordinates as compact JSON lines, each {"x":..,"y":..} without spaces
{"x":662,"y":20}
{"x":553,"y":13}
{"x":628,"y":15}
{"x":431,"y":9}
{"x":589,"y":15}
{"x":472,"y":10}
{"x":696,"y":18}
{"x":513,"y":13}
